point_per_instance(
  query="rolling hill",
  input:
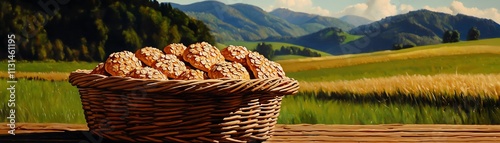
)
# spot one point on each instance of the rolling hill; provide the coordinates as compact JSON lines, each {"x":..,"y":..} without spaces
{"x":276,"y":46}
{"x":355,"y":20}
{"x":467,"y":57}
{"x":421,"y":27}
{"x":310,"y":22}
{"x":327,"y":40}
{"x":416,"y":28}
{"x":239,"y":21}
{"x":243,"y":22}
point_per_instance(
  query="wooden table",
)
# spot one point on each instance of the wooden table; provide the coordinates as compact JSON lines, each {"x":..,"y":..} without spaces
{"x":71,"y":133}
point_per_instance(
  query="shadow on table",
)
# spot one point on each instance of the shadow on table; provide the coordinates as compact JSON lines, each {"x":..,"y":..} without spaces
{"x":55,"y":137}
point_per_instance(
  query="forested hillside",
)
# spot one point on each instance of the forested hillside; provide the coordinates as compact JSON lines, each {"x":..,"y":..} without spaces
{"x":240,"y":22}
{"x":310,"y":22}
{"x":89,"y":30}
{"x":421,"y":27}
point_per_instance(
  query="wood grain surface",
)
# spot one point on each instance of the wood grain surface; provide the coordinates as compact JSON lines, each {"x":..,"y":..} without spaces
{"x":77,"y":133}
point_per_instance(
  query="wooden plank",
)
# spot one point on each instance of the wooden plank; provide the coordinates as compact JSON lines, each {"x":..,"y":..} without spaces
{"x":66,"y":133}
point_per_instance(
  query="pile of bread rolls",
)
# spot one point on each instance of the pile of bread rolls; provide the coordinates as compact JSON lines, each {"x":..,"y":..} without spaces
{"x":198,"y":61}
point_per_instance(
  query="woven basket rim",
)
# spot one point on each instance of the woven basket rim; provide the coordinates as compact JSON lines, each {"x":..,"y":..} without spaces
{"x":280,"y":86}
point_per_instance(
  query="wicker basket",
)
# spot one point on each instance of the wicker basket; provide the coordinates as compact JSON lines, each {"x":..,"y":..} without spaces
{"x":138,"y":110}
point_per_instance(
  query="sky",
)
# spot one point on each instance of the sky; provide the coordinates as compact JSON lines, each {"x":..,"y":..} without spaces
{"x":374,"y":9}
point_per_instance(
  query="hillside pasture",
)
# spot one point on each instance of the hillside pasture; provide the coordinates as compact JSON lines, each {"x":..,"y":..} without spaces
{"x":487,"y":46}
{"x":276,"y":46}
{"x":453,"y":64}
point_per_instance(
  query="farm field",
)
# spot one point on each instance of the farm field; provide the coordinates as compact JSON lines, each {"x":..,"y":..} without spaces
{"x":440,"y":84}
{"x":461,"y":64}
{"x":57,"y":101}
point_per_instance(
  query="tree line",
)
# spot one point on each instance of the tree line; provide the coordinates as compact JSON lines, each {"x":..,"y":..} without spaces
{"x":452,"y":36}
{"x":267,"y":51}
{"x":89,"y":30}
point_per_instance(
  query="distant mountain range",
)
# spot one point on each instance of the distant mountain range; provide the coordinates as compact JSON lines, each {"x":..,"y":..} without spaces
{"x":355,"y":20}
{"x":242,"y":22}
{"x":421,"y":27}
{"x":417,"y":28}
{"x":310,"y":22}
{"x":238,"y":22}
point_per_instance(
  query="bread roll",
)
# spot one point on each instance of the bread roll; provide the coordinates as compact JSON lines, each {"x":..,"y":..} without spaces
{"x":99,"y":69}
{"x":121,"y":63}
{"x":147,"y":73}
{"x":202,"y":56}
{"x":192,"y":74}
{"x":232,"y":70}
{"x":169,"y":65}
{"x":235,"y":54}
{"x":148,"y":55}
{"x":176,"y":49}
{"x":279,"y":70}
{"x":260,"y":66}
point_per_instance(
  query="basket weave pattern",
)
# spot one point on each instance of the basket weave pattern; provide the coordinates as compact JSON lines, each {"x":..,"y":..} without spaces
{"x":138,"y":110}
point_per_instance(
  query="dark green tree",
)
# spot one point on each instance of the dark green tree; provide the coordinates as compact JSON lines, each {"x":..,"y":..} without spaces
{"x":447,"y":36}
{"x":451,"y":36}
{"x":266,"y":50}
{"x":473,"y":34}
{"x":455,"y":36}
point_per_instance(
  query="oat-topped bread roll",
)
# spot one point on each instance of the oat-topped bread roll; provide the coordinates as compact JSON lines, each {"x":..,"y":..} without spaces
{"x":202,"y":56}
{"x":232,"y":70}
{"x":279,"y":69}
{"x":121,"y":63}
{"x":176,"y":49}
{"x":235,"y":54}
{"x":99,"y":69}
{"x":192,"y":74}
{"x":148,"y":55}
{"x":169,"y":65}
{"x":147,"y":73}
{"x":260,"y":66}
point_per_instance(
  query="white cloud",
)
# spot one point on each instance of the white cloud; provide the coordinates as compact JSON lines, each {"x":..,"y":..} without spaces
{"x":300,"y":6}
{"x":404,"y":8}
{"x":458,"y":7}
{"x":371,"y":9}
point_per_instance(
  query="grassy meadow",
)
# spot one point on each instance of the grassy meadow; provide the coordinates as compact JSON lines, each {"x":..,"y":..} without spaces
{"x":455,"y":83}
{"x":276,"y":46}
{"x":461,"y":64}
{"x":39,"y":101}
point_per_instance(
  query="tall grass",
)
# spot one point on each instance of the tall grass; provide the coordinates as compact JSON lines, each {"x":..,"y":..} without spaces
{"x":49,"y":76}
{"x":448,"y":85}
{"x":58,"y":102}
{"x":460,"y":91}
{"x":307,"y":108}
{"x":43,"y":102}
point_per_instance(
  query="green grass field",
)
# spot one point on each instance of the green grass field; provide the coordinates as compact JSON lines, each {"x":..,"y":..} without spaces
{"x":59,"y":102}
{"x":43,"y":102}
{"x":39,"y":66}
{"x":288,"y":57}
{"x":350,"y":37}
{"x":308,"y":108}
{"x":276,"y":45}
{"x":461,"y":64}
